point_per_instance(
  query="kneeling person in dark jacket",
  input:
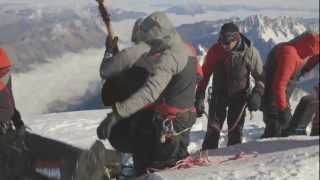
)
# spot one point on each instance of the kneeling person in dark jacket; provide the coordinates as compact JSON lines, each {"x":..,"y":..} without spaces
{"x":281,"y":68}
{"x":154,"y":122}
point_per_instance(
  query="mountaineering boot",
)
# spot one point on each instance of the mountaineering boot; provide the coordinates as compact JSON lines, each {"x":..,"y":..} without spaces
{"x":97,"y":163}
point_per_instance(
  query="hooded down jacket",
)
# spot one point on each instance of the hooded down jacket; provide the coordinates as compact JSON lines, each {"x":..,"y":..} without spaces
{"x":283,"y":63}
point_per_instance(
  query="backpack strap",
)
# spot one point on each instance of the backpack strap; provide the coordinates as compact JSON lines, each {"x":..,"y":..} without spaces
{"x":16,"y":117}
{"x":4,"y":79}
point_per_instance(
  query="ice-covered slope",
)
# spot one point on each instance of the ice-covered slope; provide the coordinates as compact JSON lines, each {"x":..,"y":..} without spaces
{"x":293,"y":158}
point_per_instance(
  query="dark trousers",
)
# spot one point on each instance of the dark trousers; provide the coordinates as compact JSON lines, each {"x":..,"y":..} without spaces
{"x":140,"y":135}
{"x":41,"y":149}
{"x":275,"y":126}
{"x":307,"y":111}
{"x":272,"y":121}
{"x":217,"y":115}
{"x":16,"y":162}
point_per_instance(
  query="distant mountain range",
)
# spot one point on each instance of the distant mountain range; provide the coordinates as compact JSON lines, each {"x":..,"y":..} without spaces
{"x":263,"y":31}
{"x":32,"y":34}
{"x":35,"y":35}
{"x":200,"y":8}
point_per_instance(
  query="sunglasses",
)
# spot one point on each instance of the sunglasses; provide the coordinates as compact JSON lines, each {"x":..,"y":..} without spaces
{"x":228,"y":38}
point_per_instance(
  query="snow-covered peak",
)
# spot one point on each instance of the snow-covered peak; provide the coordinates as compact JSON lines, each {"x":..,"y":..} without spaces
{"x":277,"y":29}
{"x":262,"y":30}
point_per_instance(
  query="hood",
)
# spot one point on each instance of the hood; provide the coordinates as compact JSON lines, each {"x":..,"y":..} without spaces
{"x":307,"y":44}
{"x":4,"y":59}
{"x":136,"y":32}
{"x":158,"y":31}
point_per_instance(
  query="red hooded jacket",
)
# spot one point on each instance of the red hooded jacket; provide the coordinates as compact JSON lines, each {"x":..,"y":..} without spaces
{"x":6,"y":98}
{"x":5,"y":65}
{"x":289,"y":58}
{"x":215,"y":54}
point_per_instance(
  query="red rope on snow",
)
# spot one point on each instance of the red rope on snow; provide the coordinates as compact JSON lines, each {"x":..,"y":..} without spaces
{"x":203,"y":160}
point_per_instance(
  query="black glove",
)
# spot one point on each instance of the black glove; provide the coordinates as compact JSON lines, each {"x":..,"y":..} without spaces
{"x":20,"y":136}
{"x":199,"y":104}
{"x":254,"y":102}
{"x":17,"y":120}
{"x":285,"y":117}
{"x":111,"y":45}
{"x":105,"y":127}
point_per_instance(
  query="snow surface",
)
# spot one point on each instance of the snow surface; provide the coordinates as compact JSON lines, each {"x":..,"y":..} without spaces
{"x":278,"y":158}
{"x":294,"y":158}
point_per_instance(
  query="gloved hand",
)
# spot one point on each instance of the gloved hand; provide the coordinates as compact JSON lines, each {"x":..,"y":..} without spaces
{"x":21,"y":131}
{"x":111,"y":45}
{"x":254,"y":102}
{"x":199,"y":103}
{"x":105,"y":127}
{"x":17,"y":120}
{"x":20,"y":136}
{"x":285,"y":117}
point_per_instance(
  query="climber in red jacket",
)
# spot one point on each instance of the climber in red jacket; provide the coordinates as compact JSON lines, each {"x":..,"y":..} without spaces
{"x":281,"y":71}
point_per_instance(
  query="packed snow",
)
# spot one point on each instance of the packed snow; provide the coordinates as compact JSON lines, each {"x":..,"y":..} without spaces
{"x":36,"y":91}
{"x":295,"y":157}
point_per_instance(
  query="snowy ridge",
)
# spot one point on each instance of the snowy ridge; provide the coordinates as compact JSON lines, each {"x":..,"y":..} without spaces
{"x":277,"y":30}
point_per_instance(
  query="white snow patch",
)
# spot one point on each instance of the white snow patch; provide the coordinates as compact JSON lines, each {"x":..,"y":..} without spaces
{"x":293,"y":158}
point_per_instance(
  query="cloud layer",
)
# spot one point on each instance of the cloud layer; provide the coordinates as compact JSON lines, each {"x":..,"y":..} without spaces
{"x":64,"y":80}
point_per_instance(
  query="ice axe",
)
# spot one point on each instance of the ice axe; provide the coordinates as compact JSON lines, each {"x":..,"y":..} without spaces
{"x":112,"y":40}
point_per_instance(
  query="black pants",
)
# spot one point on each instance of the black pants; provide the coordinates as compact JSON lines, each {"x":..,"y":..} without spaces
{"x":140,"y":135}
{"x":41,"y":149}
{"x":15,"y":159}
{"x":18,"y":161}
{"x":217,"y":115}
{"x":307,"y":111}
{"x":275,"y":127}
